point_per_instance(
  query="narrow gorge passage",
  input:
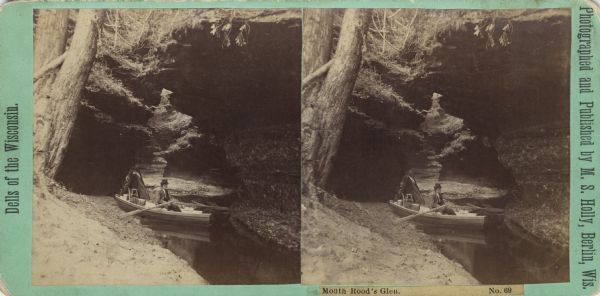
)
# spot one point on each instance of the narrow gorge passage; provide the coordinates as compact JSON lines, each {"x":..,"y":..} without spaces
{"x":441,"y":148}
{"x":202,"y":101}
{"x":215,"y":119}
{"x":465,"y":105}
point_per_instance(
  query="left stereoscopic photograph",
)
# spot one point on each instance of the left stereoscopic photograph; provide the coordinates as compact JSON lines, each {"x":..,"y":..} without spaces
{"x":166,"y":146}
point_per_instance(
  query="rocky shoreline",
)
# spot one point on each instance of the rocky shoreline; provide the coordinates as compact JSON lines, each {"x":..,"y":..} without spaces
{"x":449,"y":114}
{"x":268,"y":162}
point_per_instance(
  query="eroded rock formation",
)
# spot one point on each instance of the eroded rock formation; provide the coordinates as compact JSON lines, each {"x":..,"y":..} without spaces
{"x":501,"y":122}
{"x":232,"y":118}
{"x":517,"y":95}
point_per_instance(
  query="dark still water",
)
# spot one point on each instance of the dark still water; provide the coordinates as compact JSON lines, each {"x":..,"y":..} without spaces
{"x":496,"y":256}
{"x":222,"y":256}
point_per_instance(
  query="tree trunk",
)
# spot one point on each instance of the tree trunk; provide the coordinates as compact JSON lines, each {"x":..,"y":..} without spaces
{"x":68,"y":86}
{"x":49,"y":43}
{"x":317,"y":39}
{"x":317,"y":44}
{"x":50,"y":36}
{"x":329,"y":105}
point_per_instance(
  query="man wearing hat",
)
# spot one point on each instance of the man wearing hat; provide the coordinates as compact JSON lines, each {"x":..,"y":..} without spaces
{"x":438,"y":200}
{"x":164,"y":196}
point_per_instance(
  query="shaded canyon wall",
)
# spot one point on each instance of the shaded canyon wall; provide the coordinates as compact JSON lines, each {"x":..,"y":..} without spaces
{"x":510,"y":96}
{"x":234,"y":116}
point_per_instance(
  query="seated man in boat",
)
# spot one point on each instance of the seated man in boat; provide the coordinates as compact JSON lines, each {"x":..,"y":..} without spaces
{"x":164,"y":196}
{"x":409,"y":188}
{"x":127,"y":184}
{"x":134,"y":187}
{"x":438,"y":200}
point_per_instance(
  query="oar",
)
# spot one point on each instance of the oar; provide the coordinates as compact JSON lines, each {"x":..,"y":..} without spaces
{"x":420,"y":214}
{"x":201,"y":205}
{"x":146,"y":209}
{"x":475,"y":206}
{"x":195,"y":204}
{"x":484,"y":209}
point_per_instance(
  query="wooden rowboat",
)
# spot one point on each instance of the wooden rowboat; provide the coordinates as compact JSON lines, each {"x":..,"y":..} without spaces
{"x":463,"y":222}
{"x":187,"y":215}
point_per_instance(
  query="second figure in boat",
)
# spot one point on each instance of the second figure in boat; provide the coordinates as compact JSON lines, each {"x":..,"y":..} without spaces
{"x":438,"y":200}
{"x":164,"y":196}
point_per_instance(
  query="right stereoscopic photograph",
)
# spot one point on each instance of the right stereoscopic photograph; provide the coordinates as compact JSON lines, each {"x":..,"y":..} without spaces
{"x":435,"y":146}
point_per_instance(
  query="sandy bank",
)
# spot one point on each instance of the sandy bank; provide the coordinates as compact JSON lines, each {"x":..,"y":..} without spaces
{"x":74,"y":245}
{"x":359,"y":243}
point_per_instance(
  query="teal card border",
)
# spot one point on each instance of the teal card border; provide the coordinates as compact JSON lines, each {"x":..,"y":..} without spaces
{"x":16,"y":52}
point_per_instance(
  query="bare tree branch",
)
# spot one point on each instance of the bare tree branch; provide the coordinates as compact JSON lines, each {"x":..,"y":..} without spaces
{"x":409,"y":31}
{"x":320,"y":71}
{"x":51,"y":65}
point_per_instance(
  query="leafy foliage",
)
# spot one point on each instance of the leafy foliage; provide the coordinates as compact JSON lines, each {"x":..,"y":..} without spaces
{"x":139,"y":38}
{"x":136,"y":38}
{"x":408,"y":36}
{"x":369,"y":85}
{"x":223,"y":31}
{"x":101,"y":79}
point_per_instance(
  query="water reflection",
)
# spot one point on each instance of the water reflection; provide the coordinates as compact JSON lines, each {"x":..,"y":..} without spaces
{"x":221,"y":256}
{"x":494,"y":256}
